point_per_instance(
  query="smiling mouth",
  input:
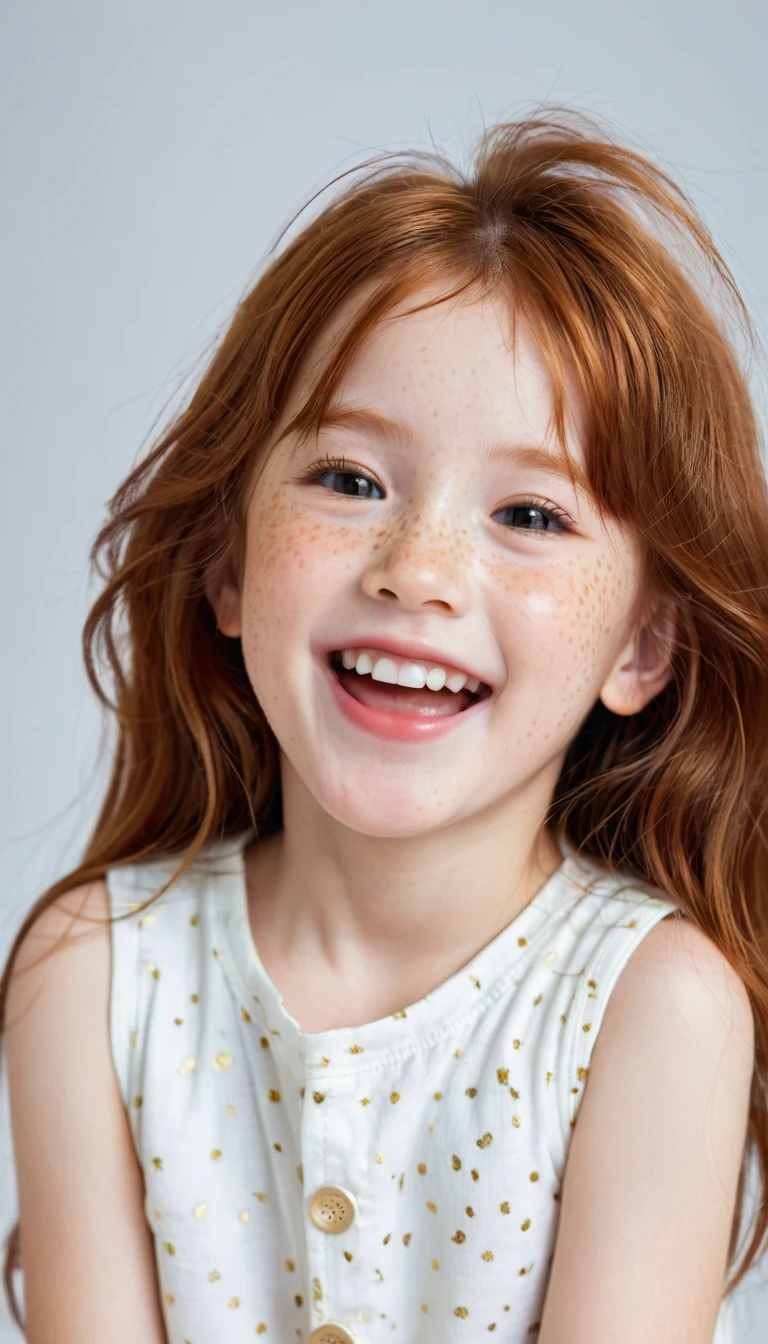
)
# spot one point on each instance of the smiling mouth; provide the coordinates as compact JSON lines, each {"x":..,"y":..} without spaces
{"x":376,"y":680}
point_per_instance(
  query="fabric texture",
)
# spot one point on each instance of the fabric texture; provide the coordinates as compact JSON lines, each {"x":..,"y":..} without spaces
{"x":447,"y":1124}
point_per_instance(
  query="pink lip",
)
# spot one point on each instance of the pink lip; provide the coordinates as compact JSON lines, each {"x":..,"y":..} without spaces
{"x":416,"y":652}
{"x":390,"y":725}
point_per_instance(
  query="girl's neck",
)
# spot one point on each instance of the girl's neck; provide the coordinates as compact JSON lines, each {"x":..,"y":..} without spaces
{"x":385,"y":920}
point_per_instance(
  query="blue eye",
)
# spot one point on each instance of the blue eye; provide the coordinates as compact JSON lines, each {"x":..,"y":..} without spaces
{"x":529,"y":517}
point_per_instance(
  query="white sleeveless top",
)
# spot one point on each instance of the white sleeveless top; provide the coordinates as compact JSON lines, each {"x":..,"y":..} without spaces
{"x":342,"y":1185}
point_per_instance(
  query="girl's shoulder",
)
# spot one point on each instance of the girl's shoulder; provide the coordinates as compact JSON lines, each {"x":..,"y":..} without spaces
{"x":141,"y":890}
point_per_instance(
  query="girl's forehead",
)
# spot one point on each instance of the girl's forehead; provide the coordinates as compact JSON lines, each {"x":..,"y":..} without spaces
{"x":472,"y":359}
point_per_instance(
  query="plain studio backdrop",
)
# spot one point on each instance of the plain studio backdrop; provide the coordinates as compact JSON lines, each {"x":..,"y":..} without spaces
{"x":151,"y":152}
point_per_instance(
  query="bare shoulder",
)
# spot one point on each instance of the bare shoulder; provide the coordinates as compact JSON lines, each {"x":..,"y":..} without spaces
{"x":651,"y":1177}
{"x":77,"y":924}
{"x":678,"y":964}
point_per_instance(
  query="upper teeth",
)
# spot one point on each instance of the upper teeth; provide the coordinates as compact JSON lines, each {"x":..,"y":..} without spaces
{"x":406,"y":673}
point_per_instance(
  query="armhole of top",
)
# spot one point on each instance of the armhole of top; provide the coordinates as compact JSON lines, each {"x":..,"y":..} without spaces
{"x":123,"y":986}
{"x":585,"y":1014}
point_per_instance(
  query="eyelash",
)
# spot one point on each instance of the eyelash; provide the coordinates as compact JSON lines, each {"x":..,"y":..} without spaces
{"x":324,"y":466}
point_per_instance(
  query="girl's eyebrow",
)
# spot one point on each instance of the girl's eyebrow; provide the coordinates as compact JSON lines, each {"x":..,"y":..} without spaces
{"x":397,"y":431}
{"x":370,"y":422}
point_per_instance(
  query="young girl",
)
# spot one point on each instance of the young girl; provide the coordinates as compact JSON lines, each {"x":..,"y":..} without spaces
{"x":438,"y":629}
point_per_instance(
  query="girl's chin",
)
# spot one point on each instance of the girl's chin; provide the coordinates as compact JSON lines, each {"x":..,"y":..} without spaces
{"x":383,"y":810}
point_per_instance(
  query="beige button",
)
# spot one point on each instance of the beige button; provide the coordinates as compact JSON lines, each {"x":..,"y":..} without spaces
{"x":332,"y":1209}
{"x":331,"y":1334}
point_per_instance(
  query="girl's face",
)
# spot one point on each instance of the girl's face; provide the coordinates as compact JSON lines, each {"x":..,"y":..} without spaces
{"x":438,"y":537}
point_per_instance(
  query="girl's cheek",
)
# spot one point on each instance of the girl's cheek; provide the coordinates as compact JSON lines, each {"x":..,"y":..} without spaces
{"x":575,"y":608}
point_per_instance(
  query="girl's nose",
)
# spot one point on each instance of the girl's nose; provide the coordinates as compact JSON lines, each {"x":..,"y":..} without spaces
{"x":420,"y":567}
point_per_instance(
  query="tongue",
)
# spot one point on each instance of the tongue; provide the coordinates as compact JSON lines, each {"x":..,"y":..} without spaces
{"x":403,"y":699}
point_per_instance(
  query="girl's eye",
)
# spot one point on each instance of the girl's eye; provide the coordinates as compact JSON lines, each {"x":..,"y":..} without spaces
{"x":343,"y":480}
{"x":532,"y":516}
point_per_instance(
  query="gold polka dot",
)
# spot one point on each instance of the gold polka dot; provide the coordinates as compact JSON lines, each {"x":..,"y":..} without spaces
{"x":178,"y":1021}
{"x":157,"y":1163}
{"x":151,"y":967}
{"x":406,"y":1238}
{"x":422,"y":1168}
{"x":148,"y":919}
{"x":534,"y":1176}
{"x":356,"y":1049}
{"x":133,"y":1038}
{"x":273,"y":1095}
{"x":460,"y":1311}
{"x":170,"y":1299}
{"x":522,"y":942}
{"x":475,"y":1174}
{"x":487,"y":1255}
{"x":170,"y":1248}
{"x":503,"y":1075}
{"x":424,"y":1307}
{"x":515,"y":1045}
{"x":194,"y":920}
{"x":587,"y":1026}
{"x":484,"y":1141}
{"x":261,"y":1328}
{"x":504,"y":1206}
{"x":246,"y":1016}
{"x":516,"y":1121}
{"x":264,"y":1042}
{"x":138,"y":1102}
{"x":524,"y":1226}
{"x":244,"y":1216}
{"x":230,"y":1109}
{"x":438,"y":1096}
{"x":470,"y":1212}
{"x":380,"y":1157}
{"x":582,"y":1073}
{"x":431,"y":1206}
{"x":215,"y":1154}
{"x":194,"y":998}
{"x":233,"y":1302}
{"x":470,"y":1092}
{"x":188,"y":1066}
{"x":347,"y":1255}
{"x":459,"y":1236}
{"x":200,"y":1211}
{"x":394,"y":1097}
{"x":222,"y":1060}
{"x":278,"y":1147}
{"x":259,"y":1194}
{"x":213,"y":1275}
{"x":435,"y":1264}
{"x":290,"y":1265}
{"x":538,"y":999}
{"x":318,"y":1096}
{"x":365,"y":1101}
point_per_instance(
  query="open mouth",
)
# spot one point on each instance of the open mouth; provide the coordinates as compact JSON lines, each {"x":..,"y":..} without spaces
{"x":419,"y":690}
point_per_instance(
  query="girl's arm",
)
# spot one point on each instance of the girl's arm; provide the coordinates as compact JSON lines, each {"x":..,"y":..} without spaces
{"x":651,"y":1176}
{"x":87,"y":1250}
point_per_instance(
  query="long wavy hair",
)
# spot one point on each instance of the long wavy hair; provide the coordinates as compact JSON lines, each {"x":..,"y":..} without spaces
{"x":617,"y":273}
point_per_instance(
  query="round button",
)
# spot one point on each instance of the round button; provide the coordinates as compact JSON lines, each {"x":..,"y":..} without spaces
{"x":332,"y":1334}
{"x":332,"y":1209}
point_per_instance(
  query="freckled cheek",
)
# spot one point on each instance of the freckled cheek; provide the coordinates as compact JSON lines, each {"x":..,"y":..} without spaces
{"x":558,"y":619}
{"x":294,"y":561}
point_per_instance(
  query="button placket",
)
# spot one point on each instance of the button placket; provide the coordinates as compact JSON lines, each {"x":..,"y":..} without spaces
{"x":332,"y":1207}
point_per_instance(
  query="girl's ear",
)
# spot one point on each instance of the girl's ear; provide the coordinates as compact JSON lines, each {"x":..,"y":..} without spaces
{"x":222,"y":588}
{"x":644,"y":665}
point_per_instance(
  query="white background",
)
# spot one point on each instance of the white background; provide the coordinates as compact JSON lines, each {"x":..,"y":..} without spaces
{"x":150,"y":154}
